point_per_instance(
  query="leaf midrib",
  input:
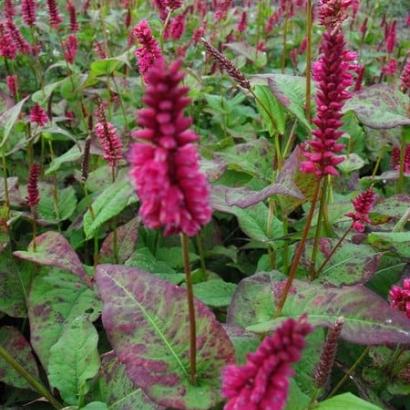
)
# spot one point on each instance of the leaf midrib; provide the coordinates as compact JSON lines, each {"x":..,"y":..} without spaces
{"x":153,"y":324}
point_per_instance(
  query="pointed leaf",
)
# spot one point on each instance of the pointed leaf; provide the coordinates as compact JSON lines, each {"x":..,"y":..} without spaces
{"x":368,"y":318}
{"x":346,"y":401}
{"x":74,"y":360}
{"x":18,"y":347}
{"x":9,"y":118}
{"x":52,"y":249}
{"x":146,"y":320}
{"x":55,"y":300}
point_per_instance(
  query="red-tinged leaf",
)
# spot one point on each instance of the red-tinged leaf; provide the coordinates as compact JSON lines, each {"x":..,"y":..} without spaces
{"x":52,"y":249}
{"x":146,"y":320}
{"x":118,"y":390}
{"x":127,"y":236}
{"x":18,"y":347}
{"x":368,"y":318}
{"x":291,"y":176}
{"x":380,"y":106}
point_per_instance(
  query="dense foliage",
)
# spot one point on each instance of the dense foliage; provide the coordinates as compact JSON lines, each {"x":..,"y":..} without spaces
{"x":205,"y":204}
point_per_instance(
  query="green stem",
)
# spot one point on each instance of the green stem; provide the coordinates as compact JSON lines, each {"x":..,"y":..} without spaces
{"x":320,"y":215}
{"x":350,"y":372}
{"x":313,"y":399}
{"x":38,"y":386}
{"x":309,"y":29}
{"x":336,"y":247}
{"x":115,"y":234}
{"x":401,"y":181}
{"x":271,"y":251}
{"x":299,"y":250}
{"x":191,"y":307}
{"x":6,"y":185}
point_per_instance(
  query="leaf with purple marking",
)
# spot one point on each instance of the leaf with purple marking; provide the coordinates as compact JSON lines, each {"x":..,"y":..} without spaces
{"x":127,"y":236}
{"x":146,"y":320}
{"x":118,"y":390}
{"x":368,"y":318}
{"x":56,"y":299}
{"x":18,"y":347}
{"x":380,"y":106}
{"x":52,"y":249}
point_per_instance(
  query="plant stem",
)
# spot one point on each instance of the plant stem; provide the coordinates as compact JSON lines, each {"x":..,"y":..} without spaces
{"x":271,"y":251}
{"x":38,"y":386}
{"x":350,"y":372}
{"x":299,"y":250}
{"x":191,"y":307}
{"x":320,"y":217}
{"x":115,"y":234}
{"x":34,"y":225}
{"x":313,"y":399}
{"x":6,"y":185}
{"x":324,"y":263}
{"x":401,"y":181}
{"x":309,"y":28}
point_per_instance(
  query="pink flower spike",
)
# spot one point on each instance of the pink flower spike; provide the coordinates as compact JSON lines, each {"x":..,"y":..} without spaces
{"x":175,"y":28}
{"x":149,"y":53}
{"x":396,"y":156}
{"x":70,"y":48}
{"x":15,"y":34}
{"x":164,"y":164}
{"x":38,"y":116}
{"x":33,"y":194}
{"x":72,"y":12}
{"x":243,"y":22}
{"x":405,"y":77}
{"x":363,"y":205}
{"x":8,"y":48}
{"x":390,"y":68}
{"x":11,"y":81}
{"x":53,"y":14}
{"x":9,"y":9}
{"x":28,"y":11}
{"x":400,"y":297}
{"x":109,"y":139}
{"x":263,"y":382}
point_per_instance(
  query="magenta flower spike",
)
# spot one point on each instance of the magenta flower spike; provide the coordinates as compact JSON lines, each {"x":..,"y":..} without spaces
{"x":263,"y":382}
{"x":33,"y":194}
{"x":70,"y":48}
{"x":400,"y":297}
{"x":38,"y":116}
{"x":72,"y":12}
{"x":405,"y":77}
{"x":149,"y":53}
{"x":363,"y":205}
{"x":333,"y":75}
{"x":164,"y":163}
{"x":53,"y":14}
{"x":28,"y":11}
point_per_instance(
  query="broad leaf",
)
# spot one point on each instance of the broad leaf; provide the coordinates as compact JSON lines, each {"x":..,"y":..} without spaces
{"x":111,"y":202}
{"x":56,"y":299}
{"x":215,"y":293}
{"x":380,"y":106}
{"x":146,"y":320}
{"x":346,"y":401}
{"x":18,"y":347}
{"x":74,"y":360}
{"x":52,"y":249}
{"x":8,"y":120}
{"x":368,"y":318}
{"x":118,"y":390}
{"x":54,"y":211}
{"x":398,"y":241}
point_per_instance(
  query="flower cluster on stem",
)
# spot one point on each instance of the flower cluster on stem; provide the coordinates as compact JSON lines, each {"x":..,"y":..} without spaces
{"x":400,"y":297}
{"x":363,"y":204}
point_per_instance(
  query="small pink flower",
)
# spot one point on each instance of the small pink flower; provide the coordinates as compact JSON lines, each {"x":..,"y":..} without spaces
{"x":38,"y":116}
{"x":8,"y":48}
{"x":176,"y":28}
{"x":396,"y":156}
{"x":363,"y":205}
{"x":99,"y":50}
{"x":390,"y":36}
{"x":70,"y":48}
{"x":72,"y":12}
{"x":28,"y":11}
{"x":400,"y":297}
{"x":198,"y":34}
{"x":165,"y":169}
{"x":221,"y":8}
{"x":149,"y":53}
{"x":21,"y":43}
{"x":263,"y":382}
{"x":11,"y":81}
{"x":332,"y":13}
{"x":243,"y":22}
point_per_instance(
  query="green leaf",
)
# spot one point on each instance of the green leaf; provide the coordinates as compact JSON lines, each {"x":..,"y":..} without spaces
{"x":111,"y":202}
{"x":8,"y":119}
{"x":18,"y":347}
{"x":147,"y":322}
{"x":95,"y":405}
{"x":74,"y":360}
{"x":63,"y":210}
{"x":104,"y":67}
{"x":118,"y":390}
{"x":297,"y":400}
{"x":266,"y":101}
{"x":380,"y":106}
{"x":42,"y":96}
{"x":215,"y":292}
{"x":56,"y":299}
{"x":346,"y":401}
{"x":368,"y":318}
{"x":73,"y":154}
{"x":399,"y":241}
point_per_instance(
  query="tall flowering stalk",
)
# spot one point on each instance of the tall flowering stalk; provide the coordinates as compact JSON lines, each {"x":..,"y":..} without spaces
{"x":8,"y":48}
{"x":72,"y":12}
{"x":332,"y":73}
{"x":33,"y":196}
{"x":363,"y":205}
{"x":20,"y":42}
{"x":11,"y":81}
{"x":70,"y":48}
{"x":165,"y":170}
{"x":53,"y":14}
{"x":9,"y":9}
{"x":149,"y":53}
{"x":263,"y":382}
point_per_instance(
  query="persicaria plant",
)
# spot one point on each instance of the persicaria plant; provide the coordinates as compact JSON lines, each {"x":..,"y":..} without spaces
{"x":204,"y":205}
